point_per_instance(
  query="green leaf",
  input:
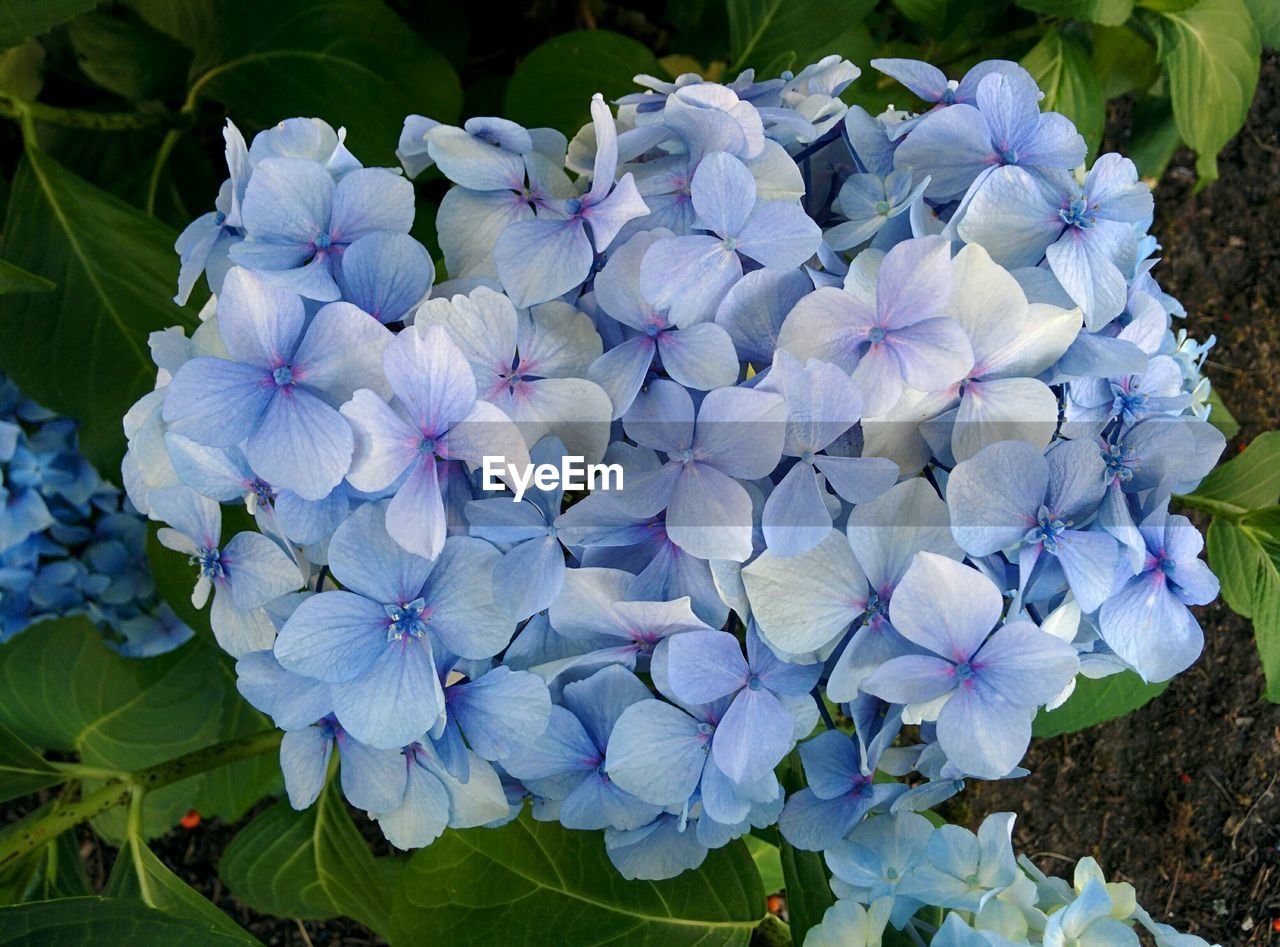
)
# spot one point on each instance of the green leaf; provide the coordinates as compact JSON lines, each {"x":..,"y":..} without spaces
{"x":350,"y":62}
{"x":1246,"y":558}
{"x":1096,"y":701}
{"x":808,"y":889}
{"x":1249,"y":481}
{"x":1220,"y":417}
{"x":74,"y":922}
{"x":124,"y":55}
{"x":138,"y":874}
{"x":937,"y":17}
{"x":768,"y":863}
{"x":22,"y":769}
{"x":14,"y":279}
{"x":1238,"y":562}
{"x":20,"y":19}
{"x":1266,"y":631}
{"x":1106,"y":12}
{"x":761,"y":30}
{"x":82,"y":349}
{"x":1266,"y":17}
{"x":1154,"y":136}
{"x":553,"y":85}
{"x":1124,"y":61}
{"x":54,"y":870}
{"x":312,"y":865}
{"x":1211,"y":53}
{"x":1062,"y":68}
{"x":22,"y":70}
{"x":66,"y":690}
{"x":538,"y":883}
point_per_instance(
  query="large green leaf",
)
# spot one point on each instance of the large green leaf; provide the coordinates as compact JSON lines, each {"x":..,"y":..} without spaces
{"x":1250,"y":481}
{"x":309,"y":864}
{"x":537,"y":883}
{"x":1154,"y":137}
{"x":1123,"y":61}
{"x":138,"y":874}
{"x":82,"y":349}
{"x":22,"y":769}
{"x":1063,"y":70}
{"x":123,"y":54}
{"x":1212,"y":54}
{"x":808,"y":889}
{"x":65,"y":690}
{"x":1096,"y":701}
{"x":1106,"y":12}
{"x":553,"y":85}
{"x":20,"y":19}
{"x":14,"y":279}
{"x":1266,"y":17}
{"x":1245,"y":555}
{"x":75,"y":922}
{"x":762,"y":30}
{"x":350,"y":62}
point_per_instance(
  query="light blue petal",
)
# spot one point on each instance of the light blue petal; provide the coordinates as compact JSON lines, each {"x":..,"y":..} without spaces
{"x":301,"y":444}
{"x":657,"y":752}
{"x":753,"y":736}
{"x":217,"y":402}
{"x":257,"y":570}
{"x":304,"y":759}
{"x":333,"y":637}
{"x":396,"y":700}
{"x":500,"y":711}
{"x":373,"y":780}
{"x":386,"y":274}
{"x":541,"y":259}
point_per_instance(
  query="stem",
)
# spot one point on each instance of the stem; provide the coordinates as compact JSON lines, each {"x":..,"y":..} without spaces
{"x":31,"y":833}
{"x":162,"y":155}
{"x":15,"y":108}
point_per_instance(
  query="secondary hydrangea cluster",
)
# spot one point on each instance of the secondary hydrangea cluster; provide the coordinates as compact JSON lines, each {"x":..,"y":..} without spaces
{"x":70,"y":544}
{"x":895,"y":402}
{"x":891,"y":866}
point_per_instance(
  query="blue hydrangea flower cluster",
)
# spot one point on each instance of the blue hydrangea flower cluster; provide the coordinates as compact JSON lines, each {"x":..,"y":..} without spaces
{"x":895,"y":402}
{"x":70,"y":544}
{"x":891,"y":866}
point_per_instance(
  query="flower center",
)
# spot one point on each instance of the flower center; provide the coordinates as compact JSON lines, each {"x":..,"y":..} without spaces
{"x":283,"y":375}
{"x":876,"y":335}
{"x":1048,"y":530}
{"x":409,"y":619}
{"x":323,"y":241}
{"x":1009,"y":156}
{"x":209,"y":562}
{"x":1077,"y":214}
{"x":1117,"y":463}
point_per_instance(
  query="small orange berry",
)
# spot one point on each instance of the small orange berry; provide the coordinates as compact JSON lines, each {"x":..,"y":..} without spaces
{"x":190,"y":820}
{"x":775,"y":904}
